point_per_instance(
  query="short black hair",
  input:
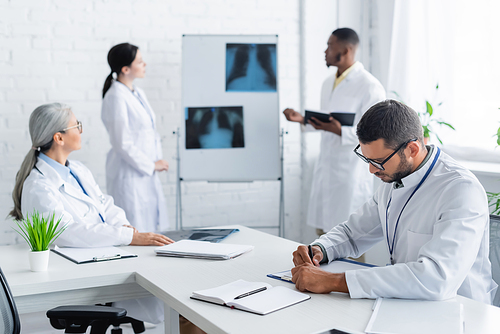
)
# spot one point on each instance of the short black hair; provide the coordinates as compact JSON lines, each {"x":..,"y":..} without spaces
{"x":391,"y":120}
{"x":346,"y":35}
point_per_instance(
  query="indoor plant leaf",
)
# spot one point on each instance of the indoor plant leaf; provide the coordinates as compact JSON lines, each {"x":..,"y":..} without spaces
{"x":447,"y":124}
{"x":426,"y":131}
{"x":39,"y":232}
{"x":429,"y":109}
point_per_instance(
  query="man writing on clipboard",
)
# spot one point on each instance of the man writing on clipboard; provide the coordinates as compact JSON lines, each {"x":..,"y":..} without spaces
{"x":341,"y":183}
{"x":431,"y":213}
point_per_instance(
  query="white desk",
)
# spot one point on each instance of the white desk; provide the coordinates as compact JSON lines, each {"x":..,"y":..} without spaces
{"x":173,"y":280}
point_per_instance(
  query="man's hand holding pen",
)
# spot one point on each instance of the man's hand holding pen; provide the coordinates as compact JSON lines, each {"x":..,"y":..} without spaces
{"x":303,"y":255}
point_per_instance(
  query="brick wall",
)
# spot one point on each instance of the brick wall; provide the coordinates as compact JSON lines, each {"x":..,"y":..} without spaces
{"x":55,"y":50}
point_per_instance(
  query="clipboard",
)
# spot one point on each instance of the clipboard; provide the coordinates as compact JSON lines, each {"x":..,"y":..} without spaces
{"x":92,"y":255}
{"x":337,"y":266}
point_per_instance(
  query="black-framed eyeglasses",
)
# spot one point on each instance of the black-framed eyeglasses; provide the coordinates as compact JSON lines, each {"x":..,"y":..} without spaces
{"x":78,"y":125}
{"x":380,"y":165}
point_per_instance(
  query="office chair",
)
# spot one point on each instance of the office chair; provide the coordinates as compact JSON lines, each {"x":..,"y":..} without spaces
{"x":9,"y":320}
{"x":77,"y":318}
{"x":495,"y":253}
{"x":74,"y":319}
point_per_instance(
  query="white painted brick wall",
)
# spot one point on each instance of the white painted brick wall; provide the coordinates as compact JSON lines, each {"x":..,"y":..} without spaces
{"x":55,"y":50}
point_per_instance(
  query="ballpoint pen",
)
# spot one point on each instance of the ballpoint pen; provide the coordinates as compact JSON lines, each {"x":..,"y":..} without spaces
{"x":106,"y":258}
{"x":250,"y":292}
{"x":311,"y":255}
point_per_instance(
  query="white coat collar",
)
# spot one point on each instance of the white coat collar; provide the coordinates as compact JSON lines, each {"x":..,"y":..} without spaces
{"x":414,"y":178}
{"x":129,"y":93}
{"x":134,"y":100}
{"x":356,"y":69}
{"x":53,"y":176}
{"x":122,"y":86}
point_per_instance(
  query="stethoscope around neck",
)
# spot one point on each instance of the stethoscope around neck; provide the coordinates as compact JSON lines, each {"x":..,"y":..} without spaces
{"x":389,"y":245}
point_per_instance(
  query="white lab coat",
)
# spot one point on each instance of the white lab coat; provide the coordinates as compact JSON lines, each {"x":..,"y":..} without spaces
{"x":341,"y":181}
{"x":135,"y":146}
{"x":45,"y":191}
{"x":442,"y":240}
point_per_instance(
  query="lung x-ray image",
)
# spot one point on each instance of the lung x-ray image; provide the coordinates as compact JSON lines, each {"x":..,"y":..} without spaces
{"x":214,"y":127}
{"x":250,"y":67}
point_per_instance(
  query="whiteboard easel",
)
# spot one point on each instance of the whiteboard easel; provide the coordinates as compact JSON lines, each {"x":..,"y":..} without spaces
{"x":205,"y":63}
{"x":178,"y":197}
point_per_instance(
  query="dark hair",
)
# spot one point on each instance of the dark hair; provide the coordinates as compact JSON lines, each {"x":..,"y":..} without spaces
{"x":392,"y":121}
{"x":120,"y":55}
{"x":346,"y":35}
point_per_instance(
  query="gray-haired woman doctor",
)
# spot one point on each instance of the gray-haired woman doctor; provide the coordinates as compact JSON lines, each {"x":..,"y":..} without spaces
{"x":50,"y":183}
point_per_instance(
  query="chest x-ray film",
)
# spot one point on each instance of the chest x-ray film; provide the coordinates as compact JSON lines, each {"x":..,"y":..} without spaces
{"x":214,"y":127}
{"x":250,"y":67}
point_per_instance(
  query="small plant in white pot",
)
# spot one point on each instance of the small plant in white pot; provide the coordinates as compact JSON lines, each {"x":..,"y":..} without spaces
{"x":39,"y":232}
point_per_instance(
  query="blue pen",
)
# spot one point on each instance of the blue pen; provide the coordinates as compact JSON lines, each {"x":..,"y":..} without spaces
{"x":311,"y":255}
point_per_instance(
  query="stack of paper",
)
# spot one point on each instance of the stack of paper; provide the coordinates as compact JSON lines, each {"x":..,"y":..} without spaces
{"x":255,"y":297}
{"x":404,"y":316}
{"x":202,"y":250}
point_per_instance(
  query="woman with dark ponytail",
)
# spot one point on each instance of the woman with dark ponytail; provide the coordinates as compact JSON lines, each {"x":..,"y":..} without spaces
{"x":135,"y":157}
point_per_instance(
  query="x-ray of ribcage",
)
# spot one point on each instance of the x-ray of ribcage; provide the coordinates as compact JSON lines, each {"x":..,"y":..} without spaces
{"x":214,"y":127}
{"x":250,"y":67}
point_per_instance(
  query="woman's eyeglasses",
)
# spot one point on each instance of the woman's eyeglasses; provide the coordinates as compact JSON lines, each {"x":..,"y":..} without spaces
{"x":78,"y":125}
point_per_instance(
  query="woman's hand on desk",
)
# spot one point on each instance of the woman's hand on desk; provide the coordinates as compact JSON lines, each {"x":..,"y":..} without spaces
{"x":161,"y":165}
{"x":310,"y":278}
{"x":149,"y":239}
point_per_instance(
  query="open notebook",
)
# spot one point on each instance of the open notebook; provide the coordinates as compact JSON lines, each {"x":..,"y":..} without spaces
{"x":202,"y":250}
{"x":255,"y":297}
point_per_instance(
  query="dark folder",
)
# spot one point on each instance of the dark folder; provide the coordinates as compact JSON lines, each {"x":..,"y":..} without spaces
{"x":345,"y":118}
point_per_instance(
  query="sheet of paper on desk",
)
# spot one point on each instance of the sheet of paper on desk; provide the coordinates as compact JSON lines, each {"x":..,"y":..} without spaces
{"x":405,"y":316}
{"x":338,"y":266}
{"x":94,"y":254}
{"x":203,"y":250}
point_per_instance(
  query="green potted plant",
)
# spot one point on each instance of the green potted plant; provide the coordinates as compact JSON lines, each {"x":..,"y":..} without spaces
{"x":428,"y":119}
{"x":39,"y":232}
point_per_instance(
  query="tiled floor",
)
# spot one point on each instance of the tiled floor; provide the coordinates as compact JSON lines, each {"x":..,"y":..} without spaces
{"x":37,"y":323}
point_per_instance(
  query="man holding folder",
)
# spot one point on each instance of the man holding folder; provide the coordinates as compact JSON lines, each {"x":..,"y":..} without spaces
{"x":340,"y":182}
{"x":431,"y":212}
